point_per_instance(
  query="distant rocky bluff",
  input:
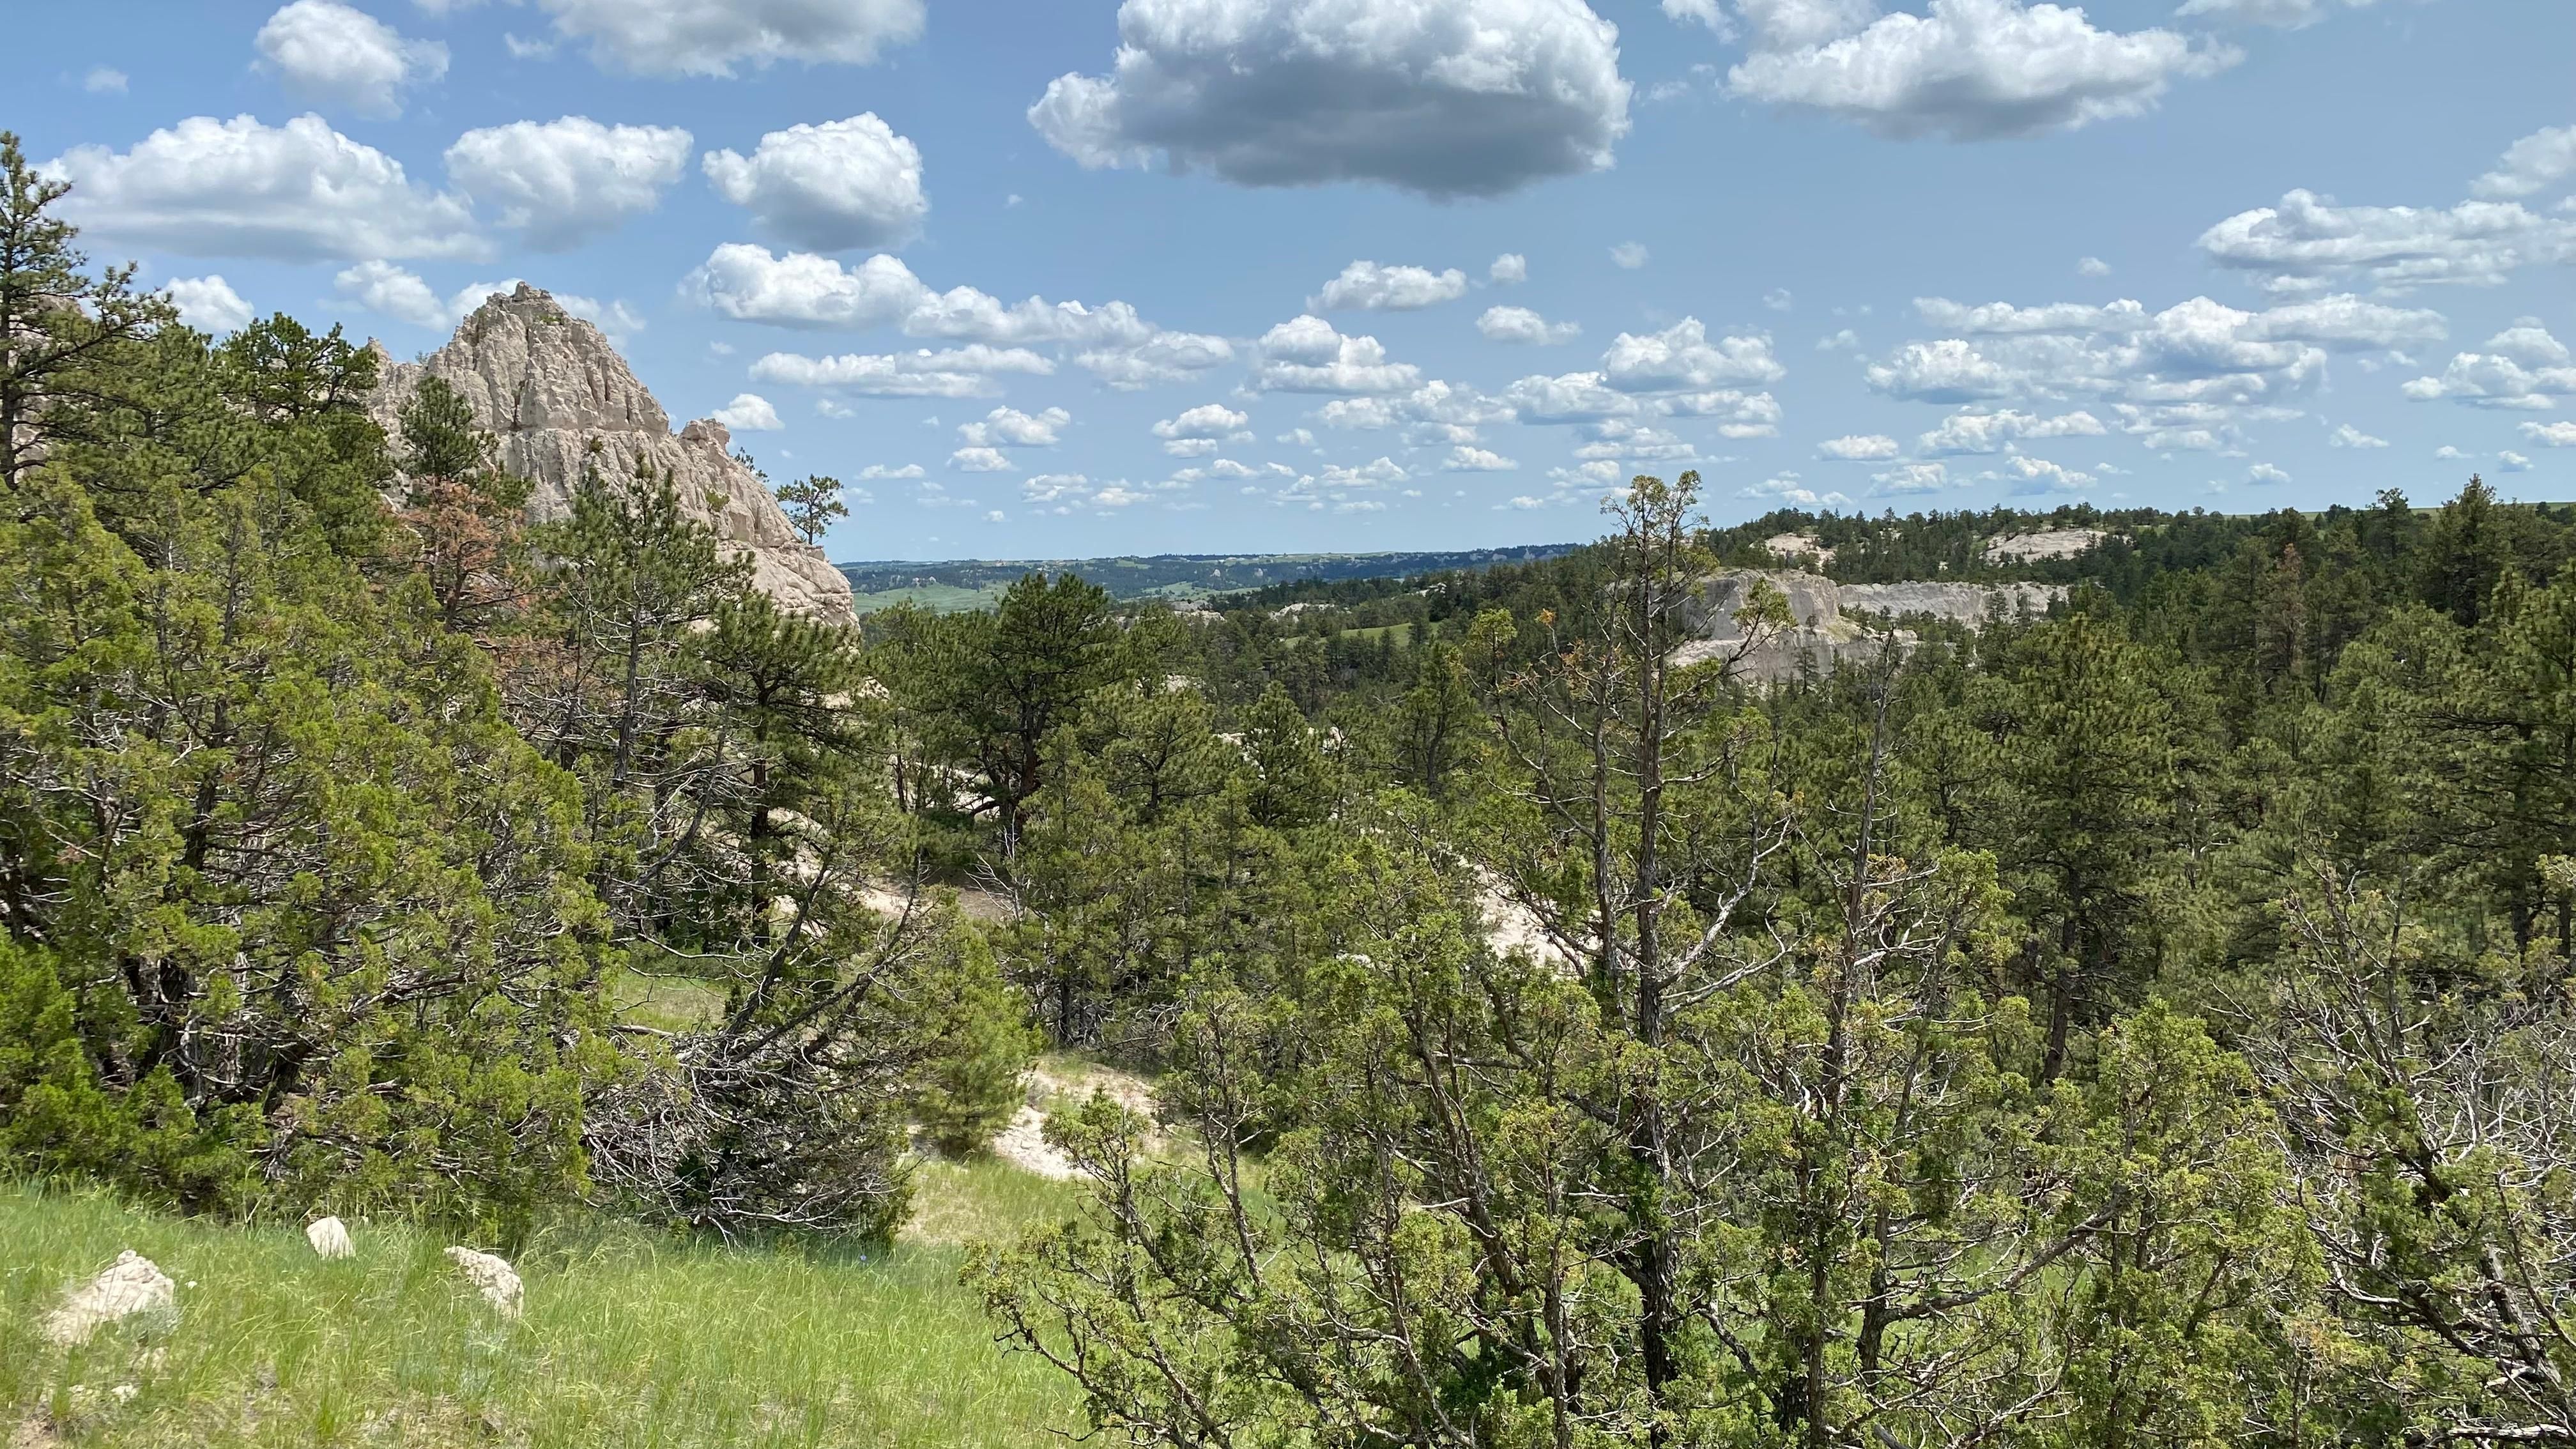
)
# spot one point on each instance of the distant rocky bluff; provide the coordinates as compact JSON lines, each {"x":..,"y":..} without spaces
{"x":549,"y":385}
{"x":1823,"y":633}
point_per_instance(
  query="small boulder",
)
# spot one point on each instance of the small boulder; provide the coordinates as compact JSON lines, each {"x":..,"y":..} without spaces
{"x":493,"y":1278}
{"x":131,"y":1287}
{"x":330,"y":1238}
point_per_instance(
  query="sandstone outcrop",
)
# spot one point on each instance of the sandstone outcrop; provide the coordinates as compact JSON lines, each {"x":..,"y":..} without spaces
{"x":1824,"y":631}
{"x":130,"y":1287}
{"x":548,"y":385}
{"x":2048,"y":543}
{"x":493,"y":1278}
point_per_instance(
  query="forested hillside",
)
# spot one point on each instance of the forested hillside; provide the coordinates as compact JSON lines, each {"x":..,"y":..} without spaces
{"x":2142,"y":1024}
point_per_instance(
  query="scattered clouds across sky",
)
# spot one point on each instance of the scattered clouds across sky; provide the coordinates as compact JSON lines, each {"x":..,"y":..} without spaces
{"x":1215,"y":274}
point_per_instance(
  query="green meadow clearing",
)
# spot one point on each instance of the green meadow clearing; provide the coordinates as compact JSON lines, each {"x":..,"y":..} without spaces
{"x":629,"y":1339}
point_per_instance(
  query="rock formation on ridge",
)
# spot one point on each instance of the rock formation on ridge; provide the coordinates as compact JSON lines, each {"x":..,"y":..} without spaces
{"x":1820,"y":628}
{"x":548,"y":384}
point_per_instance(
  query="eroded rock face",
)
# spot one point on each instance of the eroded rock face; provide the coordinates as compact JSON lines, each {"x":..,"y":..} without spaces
{"x":549,"y":385}
{"x":1821,"y":632}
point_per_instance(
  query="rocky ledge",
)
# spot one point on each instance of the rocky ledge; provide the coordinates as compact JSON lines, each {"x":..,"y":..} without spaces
{"x":549,"y":385}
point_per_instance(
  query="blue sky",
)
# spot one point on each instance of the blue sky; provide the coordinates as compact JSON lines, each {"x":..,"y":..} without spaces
{"x":1354,"y":274}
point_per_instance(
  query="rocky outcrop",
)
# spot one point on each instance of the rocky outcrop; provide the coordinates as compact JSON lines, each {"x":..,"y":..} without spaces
{"x":493,"y":1278}
{"x":1823,"y":631}
{"x":130,"y":1288}
{"x":2048,"y":543}
{"x":548,"y":385}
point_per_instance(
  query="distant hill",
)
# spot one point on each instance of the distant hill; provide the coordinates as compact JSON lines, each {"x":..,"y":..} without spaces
{"x":976,"y":583}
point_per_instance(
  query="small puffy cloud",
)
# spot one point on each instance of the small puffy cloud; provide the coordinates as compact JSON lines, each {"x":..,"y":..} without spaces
{"x":1912,"y":478}
{"x":1521,"y":325}
{"x":1738,"y":414}
{"x":1366,"y":286}
{"x":2266,"y":473}
{"x":1011,"y":428}
{"x":327,"y":52}
{"x":2512,"y":462}
{"x":2551,"y":435}
{"x":1681,"y":358}
{"x":2539,"y":162}
{"x":1383,"y":472}
{"x":2346,"y":435}
{"x":2092,"y":267}
{"x":749,"y":284}
{"x":1779,"y":299}
{"x":876,"y":471}
{"x":1442,"y":97}
{"x":2038,"y":475}
{"x":209,"y":304}
{"x":1972,"y":70}
{"x":979,"y":460}
{"x":2308,"y":243}
{"x":715,"y":37}
{"x":828,"y":188}
{"x":1859,"y":448}
{"x":1575,"y":397}
{"x":1629,"y":255}
{"x":1305,"y":354}
{"x":1992,"y":432}
{"x":391,"y":291}
{"x":1464,"y":459}
{"x":1507,"y":269}
{"x":2521,"y":367}
{"x":104,"y":81}
{"x":2447,"y":451}
{"x":969,"y":371}
{"x":298,"y":192}
{"x":749,"y":412}
{"x":1788,"y":488}
{"x":1845,"y":340}
{"x":561,"y":183}
{"x":1208,"y":423}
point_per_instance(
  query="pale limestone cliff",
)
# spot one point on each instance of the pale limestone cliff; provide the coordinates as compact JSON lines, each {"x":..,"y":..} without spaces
{"x":1823,"y":631}
{"x":549,"y":385}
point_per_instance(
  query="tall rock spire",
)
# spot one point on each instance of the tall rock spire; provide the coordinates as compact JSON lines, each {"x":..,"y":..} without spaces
{"x":548,"y":385}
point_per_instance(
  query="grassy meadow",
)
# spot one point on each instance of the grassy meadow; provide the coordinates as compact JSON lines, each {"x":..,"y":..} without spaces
{"x":629,"y":1339}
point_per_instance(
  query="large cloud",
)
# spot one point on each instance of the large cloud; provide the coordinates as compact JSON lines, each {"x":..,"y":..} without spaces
{"x":2199,"y":352}
{"x":1366,"y":286}
{"x":2542,"y":161}
{"x":562,"y":182}
{"x":1969,"y":70}
{"x":2520,"y":367}
{"x":237,"y":188}
{"x":1681,"y":358}
{"x":801,"y":290}
{"x":327,"y":52}
{"x":828,"y":188}
{"x":1442,"y":97}
{"x":714,"y":37}
{"x":209,"y":304}
{"x":1305,"y":354}
{"x":2308,"y":243}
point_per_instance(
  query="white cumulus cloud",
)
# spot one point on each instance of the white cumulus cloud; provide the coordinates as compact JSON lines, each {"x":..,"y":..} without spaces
{"x":749,"y":412}
{"x":1011,"y":428}
{"x":1441,"y":97}
{"x":209,"y":304}
{"x":333,"y":54}
{"x":1305,"y":354}
{"x":1859,"y":448}
{"x":1681,"y":358}
{"x":1973,"y":70}
{"x":238,"y":188}
{"x":1520,"y":324}
{"x":969,"y":371}
{"x":560,"y":183}
{"x":2346,"y":435}
{"x":1465,"y":459}
{"x":2541,"y":161}
{"x":2309,"y":243}
{"x":1366,"y":286}
{"x":2551,"y":435}
{"x":828,"y":188}
{"x":1507,"y":269}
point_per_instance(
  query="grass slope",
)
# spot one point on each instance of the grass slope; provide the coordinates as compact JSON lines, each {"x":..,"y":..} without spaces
{"x":629,"y":1339}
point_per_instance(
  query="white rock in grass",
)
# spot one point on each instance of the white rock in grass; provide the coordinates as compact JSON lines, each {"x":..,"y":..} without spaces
{"x":491,"y":1277}
{"x":330,"y":1238}
{"x":131,"y":1287}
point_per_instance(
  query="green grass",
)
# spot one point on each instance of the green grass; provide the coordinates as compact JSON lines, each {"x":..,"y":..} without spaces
{"x":937,"y":598}
{"x":629,"y":1339}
